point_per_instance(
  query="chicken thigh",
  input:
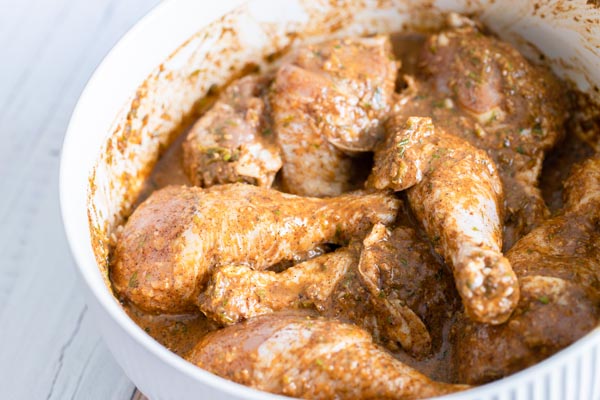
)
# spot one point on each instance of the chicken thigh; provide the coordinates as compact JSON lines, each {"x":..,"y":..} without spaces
{"x":558,"y":265}
{"x":455,"y":192}
{"x":177,"y":236}
{"x":301,"y":356}
{"x":483,"y":90}
{"x":327,"y":104}
{"x":233,"y":141}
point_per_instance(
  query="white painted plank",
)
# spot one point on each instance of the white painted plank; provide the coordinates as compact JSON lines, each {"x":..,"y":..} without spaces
{"x":50,"y":346}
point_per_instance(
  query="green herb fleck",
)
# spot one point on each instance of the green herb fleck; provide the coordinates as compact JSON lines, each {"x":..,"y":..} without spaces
{"x":404,"y":261}
{"x":537,"y":129}
{"x":338,"y":232}
{"x":287,"y":120}
{"x":439,"y":104}
{"x":319,"y":362}
{"x":133,"y":281}
{"x":544,"y":299}
{"x":267,"y":132}
{"x":402,"y":147}
{"x":520,"y":150}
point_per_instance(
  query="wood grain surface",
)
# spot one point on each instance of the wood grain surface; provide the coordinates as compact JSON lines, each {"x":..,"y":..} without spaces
{"x":50,"y":347}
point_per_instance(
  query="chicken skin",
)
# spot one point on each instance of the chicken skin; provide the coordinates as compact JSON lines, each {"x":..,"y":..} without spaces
{"x":483,"y":90}
{"x":233,"y":142}
{"x":558,"y":265}
{"x":301,"y":356}
{"x":175,"y":238}
{"x":327,"y":103}
{"x":455,"y":191}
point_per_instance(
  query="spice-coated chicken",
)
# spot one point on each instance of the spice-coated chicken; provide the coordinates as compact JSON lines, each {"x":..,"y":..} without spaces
{"x":405,"y":273}
{"x":235,"y":293}
{"x":558,"y":265}
{"x":301,"y":356}
{"x":327,"y":103}
{"x":455,"y":192}
{"x":483,"y":90}
{"x":175,"y":238}
{"x":233,"y":142}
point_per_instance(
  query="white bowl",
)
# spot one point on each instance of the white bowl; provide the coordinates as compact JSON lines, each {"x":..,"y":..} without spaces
{"x":131,"y":105}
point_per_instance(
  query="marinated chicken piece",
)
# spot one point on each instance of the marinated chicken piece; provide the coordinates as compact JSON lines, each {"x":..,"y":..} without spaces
{"x":327,"y":104}
{"x":558,"y":265}
{"x":233,"y":141}
{"x":407,"y":286}
{"x":175,"y":238}
{"x":236,"y":293}
{"x":332,"y":284}
{"x":455,"y":191}
{"x":300,"y":356}
{"x":484,"y":91}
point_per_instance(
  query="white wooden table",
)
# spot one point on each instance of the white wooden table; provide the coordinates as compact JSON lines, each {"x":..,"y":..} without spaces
{"x":49,"y":345}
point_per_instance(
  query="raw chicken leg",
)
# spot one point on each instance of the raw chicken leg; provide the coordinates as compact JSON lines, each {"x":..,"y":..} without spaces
{"x":176,"y":237}
{"x":300,"y":356}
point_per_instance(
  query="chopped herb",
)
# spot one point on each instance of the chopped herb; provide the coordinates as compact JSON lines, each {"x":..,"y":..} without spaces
{"x":287,"y":120}
{"x":337,"y":46}
{"x":520,"y":150}
{"x":544,"y":299}
{"x":338,"y":232}
{"x":277,"y":212}
{"x":475,"y":229}
{"x":267,"y":132}
{"x":194,"y":73}
{"x":537,"y":130}
{"x":401,"y":147}
{"x":133,"y":281}
{"x":319,"y":362}
{"x":381,"y":294}
{"x":438,"y":104}
{"x":404,"y":261}
{"x":222,"y":153}
{"x":471,"y":285}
